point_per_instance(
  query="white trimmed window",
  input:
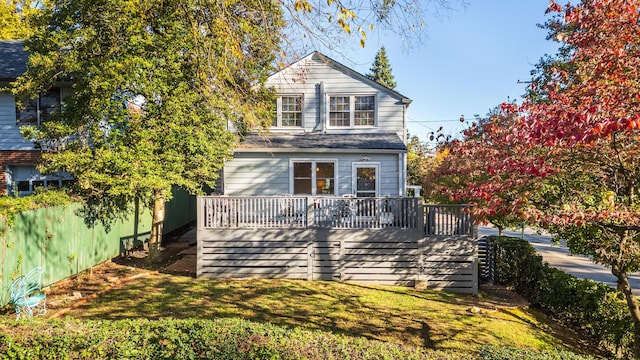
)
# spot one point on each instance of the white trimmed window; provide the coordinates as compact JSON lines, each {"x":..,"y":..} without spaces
{"x":38,"y":110}
{"x":352,"y":111}
{"x":24,"y":179}
{"x":311,"y":177}
{"x":288,"y":111}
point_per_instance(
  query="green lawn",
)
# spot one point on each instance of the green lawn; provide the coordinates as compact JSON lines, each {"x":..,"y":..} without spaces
{"x":430,"y":319}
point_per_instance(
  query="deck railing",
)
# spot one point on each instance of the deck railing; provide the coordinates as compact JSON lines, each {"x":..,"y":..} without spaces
{"x":450,"y":219}
{"x":253,"y":212}
{"x":323,"y":212}
{"x":366,"y":213}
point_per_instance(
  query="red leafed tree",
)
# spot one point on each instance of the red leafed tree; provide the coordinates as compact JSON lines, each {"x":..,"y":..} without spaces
{"x":492,"y":169}
{"x":568,"y":158}
{"x":587,"y":129}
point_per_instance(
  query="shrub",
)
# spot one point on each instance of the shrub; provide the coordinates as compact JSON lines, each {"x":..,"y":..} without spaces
{"x":510,"y":353}
{"x":189,"y":339}
{"x":10,"y":206}
{"x":593,"y":307}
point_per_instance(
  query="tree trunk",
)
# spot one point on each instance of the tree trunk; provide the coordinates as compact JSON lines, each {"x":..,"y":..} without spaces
{"x":155,"y":238}
{"x":500,"y":230}
{"x":625,"y":288}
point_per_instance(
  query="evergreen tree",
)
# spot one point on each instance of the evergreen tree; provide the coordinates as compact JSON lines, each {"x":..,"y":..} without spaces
{"x":381,"y":70}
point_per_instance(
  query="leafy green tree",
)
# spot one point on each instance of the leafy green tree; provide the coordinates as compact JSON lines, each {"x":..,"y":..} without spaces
{"x":381,"y":70}
{"x":155,"y":85}
{"x":13,"y":18}
{"x":418,"y":160}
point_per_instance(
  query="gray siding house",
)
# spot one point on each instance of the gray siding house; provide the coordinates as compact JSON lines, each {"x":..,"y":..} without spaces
{"x":335,"y":132}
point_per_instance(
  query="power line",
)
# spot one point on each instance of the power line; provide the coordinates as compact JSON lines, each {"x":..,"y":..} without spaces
{"x":432,"y":121}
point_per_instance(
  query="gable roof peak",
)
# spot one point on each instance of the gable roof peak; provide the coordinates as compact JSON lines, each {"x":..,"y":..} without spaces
{"x":347,"y":70}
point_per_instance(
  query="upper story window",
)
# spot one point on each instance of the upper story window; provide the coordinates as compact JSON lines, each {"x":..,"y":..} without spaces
{"x":38,"y":110}
{"x":289,"y":111}
{"x":352,"y":111}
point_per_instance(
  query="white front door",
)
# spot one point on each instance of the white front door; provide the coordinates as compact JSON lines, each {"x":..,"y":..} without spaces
{"x":366,"y":181}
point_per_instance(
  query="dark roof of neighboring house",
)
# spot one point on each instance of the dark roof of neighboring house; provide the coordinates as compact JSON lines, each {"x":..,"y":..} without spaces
{"x":13,"y":59}
{"x":307,"y":141}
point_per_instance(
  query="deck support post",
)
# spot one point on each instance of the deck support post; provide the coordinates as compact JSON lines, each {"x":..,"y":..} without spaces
{"x":310,"y":257}
{"x":310,"y":212}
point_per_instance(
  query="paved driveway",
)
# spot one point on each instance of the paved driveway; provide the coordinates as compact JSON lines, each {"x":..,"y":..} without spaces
{"x":558,"y":256}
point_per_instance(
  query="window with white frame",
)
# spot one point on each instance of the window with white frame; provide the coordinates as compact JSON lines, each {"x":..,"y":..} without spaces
{"x":352,"y":110}
{"x":38,"y":110}
{"x":288,"y":111}
{"x":24,"y":179}
{"x":310,"y":177}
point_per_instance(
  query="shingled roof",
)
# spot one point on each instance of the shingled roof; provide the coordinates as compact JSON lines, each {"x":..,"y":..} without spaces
{"x":275,"y":142}
{"x":13,"y":59}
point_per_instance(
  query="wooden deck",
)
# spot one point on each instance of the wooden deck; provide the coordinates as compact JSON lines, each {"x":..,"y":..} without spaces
{"x":376,"y":240}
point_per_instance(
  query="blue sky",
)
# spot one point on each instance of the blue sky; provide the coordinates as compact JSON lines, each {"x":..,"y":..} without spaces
{"x":470,"y":62}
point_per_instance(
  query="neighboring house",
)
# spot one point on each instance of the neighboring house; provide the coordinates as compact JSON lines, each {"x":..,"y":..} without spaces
{"x":335,"y":132}
{"x":19,"y":156}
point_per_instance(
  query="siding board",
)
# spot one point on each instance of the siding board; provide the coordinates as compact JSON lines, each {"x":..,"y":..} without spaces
{"x":263,"y":174}
{"x":10,"y":138}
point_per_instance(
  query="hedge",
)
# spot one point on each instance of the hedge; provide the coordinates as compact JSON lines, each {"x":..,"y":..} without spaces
{"x":594,"y":308}
{"x":227,"y":339}
{"x":510,"y":353}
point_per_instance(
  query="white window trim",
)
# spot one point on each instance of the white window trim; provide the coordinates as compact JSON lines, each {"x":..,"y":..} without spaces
{"x":278,"y":123}
{"x":352,"y":108}
{"x":313,"y":175}
{"x":46,"y":180}
{"x":354,"y":174}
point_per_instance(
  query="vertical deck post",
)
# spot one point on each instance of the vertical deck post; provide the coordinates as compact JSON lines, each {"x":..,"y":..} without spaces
{"x":474,"y":273}
{"x":199,"y":228}
{"x":199,"y":213}
{"x":310,"y":212}
{"x":419,"y":215}
{"x":421,"y":281}
{"x":310,"y":258}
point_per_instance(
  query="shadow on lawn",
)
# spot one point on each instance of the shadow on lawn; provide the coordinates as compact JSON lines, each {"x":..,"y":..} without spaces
{"x":381,"y":313}
{"x":284,"y":303}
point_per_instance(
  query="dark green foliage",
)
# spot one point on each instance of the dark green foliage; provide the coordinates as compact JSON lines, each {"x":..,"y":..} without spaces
{"x":381,"y":70}
{"x":510,"y":353}
{"x":592,"y":307}
{"x":188,"y":339}
{"x":154,"y":87}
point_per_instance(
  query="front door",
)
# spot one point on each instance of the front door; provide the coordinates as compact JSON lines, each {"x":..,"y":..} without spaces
{"x":365,"y":179}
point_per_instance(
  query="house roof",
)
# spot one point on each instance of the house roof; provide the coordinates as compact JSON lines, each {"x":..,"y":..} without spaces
{"x":318,"y":141}
{"x":347,"y":70}
{"x":14,"y":59}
